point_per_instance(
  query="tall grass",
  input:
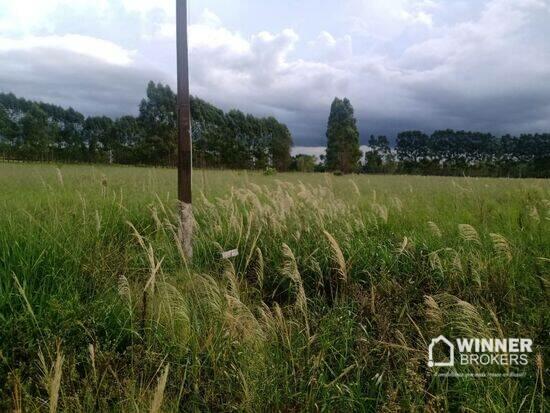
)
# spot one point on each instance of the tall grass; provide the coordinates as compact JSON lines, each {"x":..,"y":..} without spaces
{"x":338,"y":287}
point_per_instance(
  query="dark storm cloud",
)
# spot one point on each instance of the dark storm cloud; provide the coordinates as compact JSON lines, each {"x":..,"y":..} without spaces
{"x":89,"y":85}
{"x":487,"y":71}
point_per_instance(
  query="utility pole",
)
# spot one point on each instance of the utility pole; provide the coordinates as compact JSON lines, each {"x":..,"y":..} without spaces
{"x":184,"y":133}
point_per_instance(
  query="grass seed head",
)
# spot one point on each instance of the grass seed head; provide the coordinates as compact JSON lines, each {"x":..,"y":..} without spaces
{"x":434,"y":229}
{"x":469,"y":233}
{"x":501,"y":246}
{"x":337,"y":257}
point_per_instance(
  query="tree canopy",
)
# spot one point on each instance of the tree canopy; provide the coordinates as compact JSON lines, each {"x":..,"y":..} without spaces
{"x":44,"y":132}
{"x":40,"y":131}
{"x":450,"y":152}
{"x":343,"y":153}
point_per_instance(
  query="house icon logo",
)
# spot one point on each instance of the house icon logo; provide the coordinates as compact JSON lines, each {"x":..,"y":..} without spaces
{"x":444,"y":341}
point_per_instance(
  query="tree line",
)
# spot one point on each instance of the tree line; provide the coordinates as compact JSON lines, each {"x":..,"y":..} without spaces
{"x":43,"y":132}
{"x":444,"y":152}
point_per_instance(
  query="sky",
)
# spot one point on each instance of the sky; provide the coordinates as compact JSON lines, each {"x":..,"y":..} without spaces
{"x":404,"y":64}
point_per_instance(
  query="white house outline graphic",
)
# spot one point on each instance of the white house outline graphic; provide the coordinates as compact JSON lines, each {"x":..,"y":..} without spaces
{"x":441,"y":339}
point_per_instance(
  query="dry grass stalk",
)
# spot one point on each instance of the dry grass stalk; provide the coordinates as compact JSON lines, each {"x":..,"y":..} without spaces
{"x":159,"y":392}
{"x":539,"y":362}
{"x":457,"y":264}
{"x":16,"y":395}
{"x":433,"y":311}
{"x":258,"y":268}
{"x":21,"y":291}
{"x":457,"y":315}
{"x":154,"y":269}
{"x":156,"y":219}
{"x":406,"y":244}
{"x":381,"y":211}
{"x":355,"y":188}
{"x":290,"y":269}
{"x":534,"y":214}
{"x":241,"y":323}
{"x":230,"y":274}
{"x":124,"y":287}
{"x":397,"y":203}
{"x":59,"y":176}
{"x":501,"y":246}
{"x":91,"y":350}
{"x":56,"y":381}
{"x":337,"y":257}
{"x":469,"y":233}
{"x":97,"y":221}
{"x":154,"y":264}
{"x":52,"y":377}
{"x":434,"y":229}
{"x":435,"y":261}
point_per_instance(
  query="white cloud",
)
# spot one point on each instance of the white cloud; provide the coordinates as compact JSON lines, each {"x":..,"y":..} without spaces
{"x":218,"y":39}
{"x":84,"y":45}
{"x":328,"y":48}
{"x":146,"y":6}
{"x":417,"y":17}
{"x":468,"y":75}
{"x":24,"y":16}
{"x":197,"y":32}
{"x":388,"y":19}
{"x":208,"y":18}
{"x":257,"y":72}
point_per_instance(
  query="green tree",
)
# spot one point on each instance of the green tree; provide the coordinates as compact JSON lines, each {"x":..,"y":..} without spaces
{"x":236,"y":149}
{"x":343,"y":153}
{"x":209,"y":129}
{"x":71,"y":143}
{"x":8,"y":132}
{"x":98,"y":139}
{"x":258,"y":142}
{"x":127,"y":135}
{"x":412,"y":146}
{"x":37,"y":130}
{"x":280,"y":143}
{"x":378,"y":154}
{"x":158,"y":118}
{"x":304,"y":163}
{"x":36,"y":136}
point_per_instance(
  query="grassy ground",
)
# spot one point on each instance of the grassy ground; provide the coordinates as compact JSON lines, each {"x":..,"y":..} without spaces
{"x":340,"y":284}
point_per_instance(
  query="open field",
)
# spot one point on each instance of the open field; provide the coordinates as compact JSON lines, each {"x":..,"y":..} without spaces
{"x":339,"y":287}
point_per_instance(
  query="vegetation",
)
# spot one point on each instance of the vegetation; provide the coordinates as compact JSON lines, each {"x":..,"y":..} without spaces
{"x":379,"y":157}
{"x":44,"y":132}
{"x":449,"y":152}
{"x":303,"y":163}
{"x":339,"y":286}
{"x":343,"y":152}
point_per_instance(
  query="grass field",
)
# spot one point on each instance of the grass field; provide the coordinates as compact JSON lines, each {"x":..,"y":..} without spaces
{"x":339,"y":287}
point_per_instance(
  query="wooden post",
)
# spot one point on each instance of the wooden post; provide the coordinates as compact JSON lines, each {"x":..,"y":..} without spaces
{"x":184,"y":132}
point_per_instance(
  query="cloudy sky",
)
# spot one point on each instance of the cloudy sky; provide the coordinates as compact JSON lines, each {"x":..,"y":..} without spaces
{"x":422,"y":64}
